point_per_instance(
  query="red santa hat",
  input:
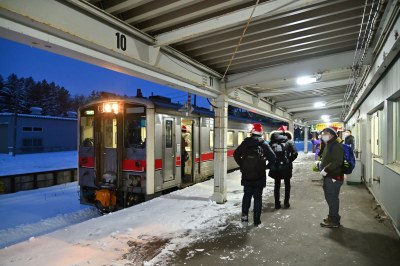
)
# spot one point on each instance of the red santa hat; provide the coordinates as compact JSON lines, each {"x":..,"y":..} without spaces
{"x":282,"y":128}
{"x":257,"y":129}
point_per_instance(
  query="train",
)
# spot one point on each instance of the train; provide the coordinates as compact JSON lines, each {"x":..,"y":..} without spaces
{"x":130,"y":149}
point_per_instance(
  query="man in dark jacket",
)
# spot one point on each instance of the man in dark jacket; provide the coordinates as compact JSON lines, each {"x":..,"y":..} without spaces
{"x":283,"y":167}
{"x":349,"y":139}
{"x":331,"y":165}
{"x":253,"y":180}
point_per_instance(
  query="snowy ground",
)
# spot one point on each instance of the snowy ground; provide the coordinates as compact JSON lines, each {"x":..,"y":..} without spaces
{"x":149,"y":233}
{"x":33,"y":213}
{"x":37,"y":162}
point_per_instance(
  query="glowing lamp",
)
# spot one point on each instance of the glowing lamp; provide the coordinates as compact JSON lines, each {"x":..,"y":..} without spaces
{"x":306,"y":80}
{"x":111,"y":107}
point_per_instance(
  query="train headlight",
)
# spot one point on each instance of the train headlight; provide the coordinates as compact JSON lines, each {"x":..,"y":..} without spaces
{"x":110,"y":107}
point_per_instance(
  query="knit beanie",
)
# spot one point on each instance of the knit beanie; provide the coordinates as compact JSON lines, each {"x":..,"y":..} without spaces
{"x":331,"y":130}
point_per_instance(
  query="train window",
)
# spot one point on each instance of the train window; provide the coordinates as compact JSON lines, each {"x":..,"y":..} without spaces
{"x":110,"y":132}
{"x":241,"y":137}
{"x":211,"y":139}
{"x":135,"y":127}
{"x":168,"y":134}
{"x":135,"y":131}
{"x":86,"y":131}
{"x":230,"y":139}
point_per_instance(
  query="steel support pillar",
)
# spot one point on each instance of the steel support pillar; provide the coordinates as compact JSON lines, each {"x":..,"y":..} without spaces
{"x":220,"y":149}
{"x":291,"y":127}
{"x":306,"y":139}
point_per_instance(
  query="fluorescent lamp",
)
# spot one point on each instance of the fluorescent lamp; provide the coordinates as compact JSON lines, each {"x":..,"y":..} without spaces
{"x":325,"y":118}
{"x":319,"y":104}
{"x":306,"y":80}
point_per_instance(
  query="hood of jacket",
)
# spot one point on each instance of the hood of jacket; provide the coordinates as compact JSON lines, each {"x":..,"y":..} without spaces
{"x":280,"y":136}
{"x":254,"y":141}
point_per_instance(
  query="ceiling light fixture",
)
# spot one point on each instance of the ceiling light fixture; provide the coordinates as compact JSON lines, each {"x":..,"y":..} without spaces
{"x":325,"y":118}
{"x":306,"y":80}
{"x":319,"y":104}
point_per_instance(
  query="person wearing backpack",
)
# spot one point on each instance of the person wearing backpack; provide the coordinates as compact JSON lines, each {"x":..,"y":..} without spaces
{"x":251,"y":156}
{"x":331,"y":165}
{"x":286,"y":152}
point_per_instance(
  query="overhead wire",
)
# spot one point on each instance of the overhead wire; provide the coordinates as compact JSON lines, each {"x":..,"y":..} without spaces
{"x":240,"y":40}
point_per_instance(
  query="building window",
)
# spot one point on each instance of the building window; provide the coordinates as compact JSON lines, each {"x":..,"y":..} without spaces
{"x":32,"y":142}
{"x":396,"y":132}
{"x":30,"y":129}
{"x":376,"y":147}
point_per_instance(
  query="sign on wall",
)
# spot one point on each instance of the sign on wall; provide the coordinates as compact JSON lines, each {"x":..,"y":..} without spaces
{"x":318,"y":127}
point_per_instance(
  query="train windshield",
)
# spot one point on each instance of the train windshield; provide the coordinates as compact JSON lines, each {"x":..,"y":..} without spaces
{"x":86,"y":128}
{"x":135,"y":127}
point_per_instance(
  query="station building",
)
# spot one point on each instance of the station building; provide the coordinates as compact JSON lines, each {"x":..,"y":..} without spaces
{"x":37,"y":133}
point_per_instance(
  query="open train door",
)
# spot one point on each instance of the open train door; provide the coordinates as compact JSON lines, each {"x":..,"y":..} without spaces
{"x":187,"y":171}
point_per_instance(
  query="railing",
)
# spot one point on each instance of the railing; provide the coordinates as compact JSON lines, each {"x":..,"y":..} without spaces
{"x":27,"y":181}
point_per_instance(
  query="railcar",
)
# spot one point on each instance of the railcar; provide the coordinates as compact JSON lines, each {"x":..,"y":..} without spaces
{"x":129,"y":150}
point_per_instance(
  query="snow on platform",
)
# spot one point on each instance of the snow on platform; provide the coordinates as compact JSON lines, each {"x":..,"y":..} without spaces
{"x":146,"y":233}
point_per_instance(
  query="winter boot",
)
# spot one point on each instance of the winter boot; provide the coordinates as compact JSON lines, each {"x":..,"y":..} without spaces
{"x":277,"y":205}
{"x":257,"y":219}
{"x":245,"y":218}
{"x":329,"y":223}
{"x":286,"y":203}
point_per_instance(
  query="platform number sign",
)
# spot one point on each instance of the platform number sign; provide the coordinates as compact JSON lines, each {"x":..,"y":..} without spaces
{"x":121,"y":41}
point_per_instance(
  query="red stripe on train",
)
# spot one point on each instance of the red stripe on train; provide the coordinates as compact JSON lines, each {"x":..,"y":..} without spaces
{"x":140,"y":165}
{"x":87,"y":162}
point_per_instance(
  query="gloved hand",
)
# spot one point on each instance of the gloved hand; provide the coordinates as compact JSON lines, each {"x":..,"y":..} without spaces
{"x":323,"y":173}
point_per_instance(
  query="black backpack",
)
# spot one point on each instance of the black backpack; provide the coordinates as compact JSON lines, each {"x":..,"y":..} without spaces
{"x":280,"y":151}
{"x":252,"y":162}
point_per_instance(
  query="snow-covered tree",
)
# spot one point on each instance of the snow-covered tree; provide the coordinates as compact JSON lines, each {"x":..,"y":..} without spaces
{"x":13,"y":95}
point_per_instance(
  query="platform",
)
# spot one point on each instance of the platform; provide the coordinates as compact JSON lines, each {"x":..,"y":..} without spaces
{"x":294,"y":236}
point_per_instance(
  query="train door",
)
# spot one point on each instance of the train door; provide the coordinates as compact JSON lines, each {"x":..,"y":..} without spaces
{"x":187,"y":143}
{"x":107,"y":158}
{"x":169,"y":152}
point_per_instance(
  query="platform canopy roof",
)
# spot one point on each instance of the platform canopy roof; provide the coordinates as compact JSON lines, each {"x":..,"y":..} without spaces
{"x":255,"y":50}
{"x":263,"y":47}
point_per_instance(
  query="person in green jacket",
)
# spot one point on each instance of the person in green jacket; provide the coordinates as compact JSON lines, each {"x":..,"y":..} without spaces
{"x":331,"y":165}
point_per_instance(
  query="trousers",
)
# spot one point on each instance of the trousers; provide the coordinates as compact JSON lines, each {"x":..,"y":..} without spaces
{"x":249,"y":193}
{"x":331,"y":191}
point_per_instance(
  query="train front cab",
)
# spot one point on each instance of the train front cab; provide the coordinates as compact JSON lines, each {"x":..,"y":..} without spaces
{"x":112,"y":154}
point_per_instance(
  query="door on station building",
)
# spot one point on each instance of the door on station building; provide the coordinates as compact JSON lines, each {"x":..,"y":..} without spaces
{"x":4,"y":138}
{"x":168,"y":168}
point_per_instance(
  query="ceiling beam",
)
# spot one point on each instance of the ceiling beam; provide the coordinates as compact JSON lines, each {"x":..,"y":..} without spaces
{"x":305,"y":101}
{"x":301,"y":88}
{"x":235,"y":18}
{"x":247,"y":101}
{"x":307,"y":115}
{"x":306,"y":67}
{"x":338,"y":103}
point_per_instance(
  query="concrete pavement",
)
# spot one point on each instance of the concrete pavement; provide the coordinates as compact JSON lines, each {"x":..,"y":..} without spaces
{"x":294,"y":236}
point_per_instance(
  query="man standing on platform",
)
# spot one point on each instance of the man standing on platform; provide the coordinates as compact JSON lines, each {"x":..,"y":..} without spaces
{"x":251,"y":156}
{"x":331,"y":165}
